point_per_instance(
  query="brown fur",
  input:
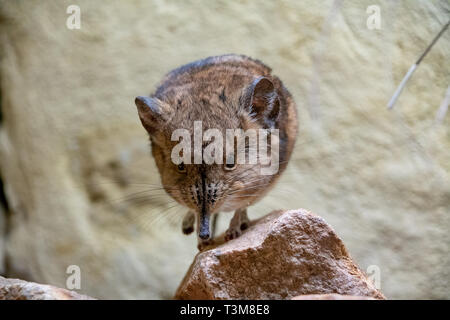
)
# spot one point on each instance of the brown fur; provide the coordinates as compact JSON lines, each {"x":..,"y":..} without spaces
{"x":217,"y":91}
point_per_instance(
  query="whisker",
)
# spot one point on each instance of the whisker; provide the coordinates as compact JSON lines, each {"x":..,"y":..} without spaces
{"x":133,"y":196}
{"x":162,"y":215}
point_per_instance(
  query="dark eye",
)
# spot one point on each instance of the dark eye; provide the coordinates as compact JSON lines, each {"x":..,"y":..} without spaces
{"x":230,"y":166}
{"x":181,"y":167}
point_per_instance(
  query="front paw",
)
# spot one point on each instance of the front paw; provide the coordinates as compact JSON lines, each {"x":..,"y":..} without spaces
{"x":187,"y":229}
{"x":188,"y":223}
{"x":232,"y":233}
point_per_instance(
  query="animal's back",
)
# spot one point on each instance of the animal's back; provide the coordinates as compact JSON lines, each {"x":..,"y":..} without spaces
{"x":215,"y":81}
{"x":213,"y":68}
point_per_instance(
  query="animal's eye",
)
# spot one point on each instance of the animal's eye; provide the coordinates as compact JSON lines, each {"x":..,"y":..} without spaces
{"x":181,"y":167}
{"x":230,"y":166}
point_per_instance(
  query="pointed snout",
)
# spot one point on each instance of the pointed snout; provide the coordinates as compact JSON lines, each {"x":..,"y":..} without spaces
{"x":204,"y":231}
{"x":204,"y":234}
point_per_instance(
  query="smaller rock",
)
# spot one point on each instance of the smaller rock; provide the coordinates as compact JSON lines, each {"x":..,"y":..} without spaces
{"x":15,"y":289}
{"x":280,"y":256}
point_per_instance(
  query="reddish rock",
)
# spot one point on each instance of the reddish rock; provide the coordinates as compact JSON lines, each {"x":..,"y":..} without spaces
{"x":15,"y":289}
{"x":281,"y":256}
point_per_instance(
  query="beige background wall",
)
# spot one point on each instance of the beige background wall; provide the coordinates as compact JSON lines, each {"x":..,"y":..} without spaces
{"x":73,"y":154}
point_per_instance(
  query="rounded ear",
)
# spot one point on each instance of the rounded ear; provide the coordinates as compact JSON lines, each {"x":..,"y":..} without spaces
{"x":262,"y":101}
{"x":152,"y":112}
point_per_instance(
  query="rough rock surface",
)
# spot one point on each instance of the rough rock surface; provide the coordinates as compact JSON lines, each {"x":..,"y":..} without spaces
{"x":15,"y":289}
{"x":72,"y":149}
{"x":283,"y":255}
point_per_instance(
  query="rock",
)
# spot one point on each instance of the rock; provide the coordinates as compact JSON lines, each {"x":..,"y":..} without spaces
{"x":331,"y":296}
{"x":15,"y":289}
{"x":283,"y":255}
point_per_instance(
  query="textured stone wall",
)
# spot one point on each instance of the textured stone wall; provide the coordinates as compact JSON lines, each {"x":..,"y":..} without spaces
{"x":73,"y":156}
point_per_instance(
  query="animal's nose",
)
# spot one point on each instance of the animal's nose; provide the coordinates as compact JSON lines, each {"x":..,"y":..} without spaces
{"x":204,"y":235}
{"x":204,"y":232}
